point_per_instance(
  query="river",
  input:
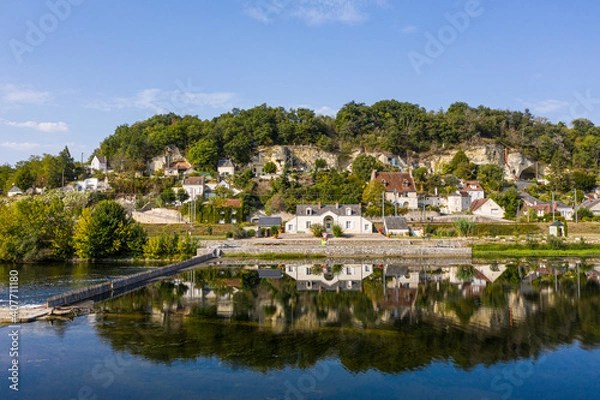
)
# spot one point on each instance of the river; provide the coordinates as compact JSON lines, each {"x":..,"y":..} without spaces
{"x":297,"y":331}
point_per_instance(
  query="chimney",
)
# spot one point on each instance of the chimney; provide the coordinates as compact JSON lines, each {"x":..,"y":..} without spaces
{"x":319,"y":206}
{"x":360,"y":206}
{"x":373,"y":174}
{"x":337,"y":205}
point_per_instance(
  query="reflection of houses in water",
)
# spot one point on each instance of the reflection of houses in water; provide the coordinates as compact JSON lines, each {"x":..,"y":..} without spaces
{"x":222,"y":297}
{"x":348,"y":278}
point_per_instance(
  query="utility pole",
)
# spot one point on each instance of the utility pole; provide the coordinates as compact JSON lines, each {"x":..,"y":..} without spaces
{"x":395,"y":202}
{"x":552,"y":205}
{"x":575,"y":204}
{"x":382,"y":205}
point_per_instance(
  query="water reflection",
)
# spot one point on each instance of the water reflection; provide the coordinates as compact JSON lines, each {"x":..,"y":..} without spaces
{"x":384,"y":317}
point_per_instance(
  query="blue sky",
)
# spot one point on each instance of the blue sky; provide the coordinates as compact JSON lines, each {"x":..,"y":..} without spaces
{"x":73,"y":70}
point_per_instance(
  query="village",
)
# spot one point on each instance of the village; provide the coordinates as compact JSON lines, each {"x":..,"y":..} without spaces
{"x":408,"y":203}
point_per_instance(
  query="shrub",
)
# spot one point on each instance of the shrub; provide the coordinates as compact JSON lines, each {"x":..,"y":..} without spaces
{"x":250,"y":233}
{"x":229,"y":235}
{"x":317,"y":230}
{"x":337,"y":230}
{"x":275,"y":229}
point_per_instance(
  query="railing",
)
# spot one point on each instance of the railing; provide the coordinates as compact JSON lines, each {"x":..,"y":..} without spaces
{"x":99,"y":289}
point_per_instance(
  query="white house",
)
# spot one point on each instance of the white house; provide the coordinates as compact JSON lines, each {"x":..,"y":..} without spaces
{"x":348,"y":216}
{"x":487,"y":208}
{"x":194,"y":186}
{"x":99,"y":163}
{"x":473,"y":189}
{"x":14,"y":191}
{"x":457,"y":202}
{"x":225,"y":167}
{"x":593,"y":206}
{"x":396,"y":226}
{"x":349,"y":278}
{"x":399,"y":188}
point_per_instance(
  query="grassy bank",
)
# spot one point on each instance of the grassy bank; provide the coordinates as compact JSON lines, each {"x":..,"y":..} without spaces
{"x":275,"y":256}
{"x":535,"y":250}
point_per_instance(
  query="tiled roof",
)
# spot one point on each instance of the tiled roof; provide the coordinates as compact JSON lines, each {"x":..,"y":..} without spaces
{"x":477,"y":204}
{"x":269,"y":221}
{"x":194,"y":180}
{"x":401,"y":181}
{"x":471,"y":186}
{"x":395,"y":223}
{"x":339,"y":209}
{"x":232,"y":203}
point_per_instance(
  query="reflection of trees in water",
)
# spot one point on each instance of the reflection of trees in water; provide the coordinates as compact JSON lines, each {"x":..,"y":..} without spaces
{"x":403,"y":344}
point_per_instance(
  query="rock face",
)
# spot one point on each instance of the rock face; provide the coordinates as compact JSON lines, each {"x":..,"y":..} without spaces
{"x":514,"y":164}
{"x":298,"y":157}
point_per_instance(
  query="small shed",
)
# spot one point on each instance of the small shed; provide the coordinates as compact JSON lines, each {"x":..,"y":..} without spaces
{"x":270,"y":273}
{"x":396,"y":226}
{"x":557,"y":228}
{"x":267,"y":222}
{"x":14,"y":191}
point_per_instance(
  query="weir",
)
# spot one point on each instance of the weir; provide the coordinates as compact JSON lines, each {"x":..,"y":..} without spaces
{"x":120,"y":286}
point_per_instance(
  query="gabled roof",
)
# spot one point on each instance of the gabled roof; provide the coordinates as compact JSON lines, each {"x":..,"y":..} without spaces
{"x":472,"y":186}
{"x":269,"y":221}
{"x":395,"y":223}
{"x":557,"y":223}
{"x":232,"y":203}
{"x":225,"y":163}
{"x":101,"y":159}
{"x":270,"y":273}
{"x":337,"y":209}
{"x":461,"y":193}
{"x":15,"y":189}
{"x":401,"y":181}
{"x":590,"y":204}
{"x":529,"y":199}
{"x":194,"y":181}
{"x":477,"y":204}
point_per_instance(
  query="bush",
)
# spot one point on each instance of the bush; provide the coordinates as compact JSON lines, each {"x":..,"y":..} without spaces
{"x":317,"y":230}
{"x":337,"y":230}
{"x":250,"y":233}
{"x":229,"y":235}
{"x":275,"y":229}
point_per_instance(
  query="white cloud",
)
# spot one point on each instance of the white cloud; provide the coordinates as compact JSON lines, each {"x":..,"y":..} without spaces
{"x":546,"y":106}
{"x":409,"y":29}
{"x":12,"y":94}
{"x":312,"y":12}
{"x":186,"y":99}
{"x":40,"y":126}
{"x":26,"y":146}
{"x":325,"y":110}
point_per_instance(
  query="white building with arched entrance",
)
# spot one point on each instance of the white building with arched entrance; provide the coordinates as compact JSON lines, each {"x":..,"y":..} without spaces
{"x":347,"y":216}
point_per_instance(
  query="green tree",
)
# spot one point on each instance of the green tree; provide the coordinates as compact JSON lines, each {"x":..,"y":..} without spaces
{"x":363,"y":166}
{"x":204,"y":154}
{"x":168,"y":195}
{"x":104,"y":231}
{"x":464,"y":226}
{"x":320,"y":164}
{"x":270,"y":168}
{"x":491,"y":177}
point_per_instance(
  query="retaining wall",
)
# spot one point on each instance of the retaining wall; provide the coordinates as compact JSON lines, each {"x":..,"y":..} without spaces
{"x":356,"y":251}
{"x":89,"y":292}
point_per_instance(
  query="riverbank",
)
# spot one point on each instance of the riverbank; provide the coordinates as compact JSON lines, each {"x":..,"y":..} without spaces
{"x":535,"y":250}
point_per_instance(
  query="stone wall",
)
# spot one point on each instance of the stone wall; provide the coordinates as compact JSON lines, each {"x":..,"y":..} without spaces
{"x":357,"y":250}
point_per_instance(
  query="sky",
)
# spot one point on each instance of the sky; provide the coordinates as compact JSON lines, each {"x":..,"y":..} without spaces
{"x":71,"y":71}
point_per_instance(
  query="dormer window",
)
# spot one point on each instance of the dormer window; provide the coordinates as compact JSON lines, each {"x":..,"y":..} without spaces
{"x":348,"y":211}
{"x":309,"y":211}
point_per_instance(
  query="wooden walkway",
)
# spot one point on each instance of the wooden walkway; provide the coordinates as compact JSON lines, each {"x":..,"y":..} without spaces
{"x":106,"y":290}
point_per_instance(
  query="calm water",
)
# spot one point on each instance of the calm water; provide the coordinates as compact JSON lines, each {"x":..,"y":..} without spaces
{"x":492,"y":331}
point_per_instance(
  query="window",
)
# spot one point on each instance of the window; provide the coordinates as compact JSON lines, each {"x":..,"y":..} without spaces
{"x":367,"y":228}
{"x":307,"y":224}
{"x":367,"y":268}
{"x":290,"y":269}
{"x":349,"y":270}
{"x":348,"y":211}
{"x":494,"y":211}
{"x":348,"y":224}
{"x":309,"y":211}
{"x":308,"y":271}
{"x":290,"y":227}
